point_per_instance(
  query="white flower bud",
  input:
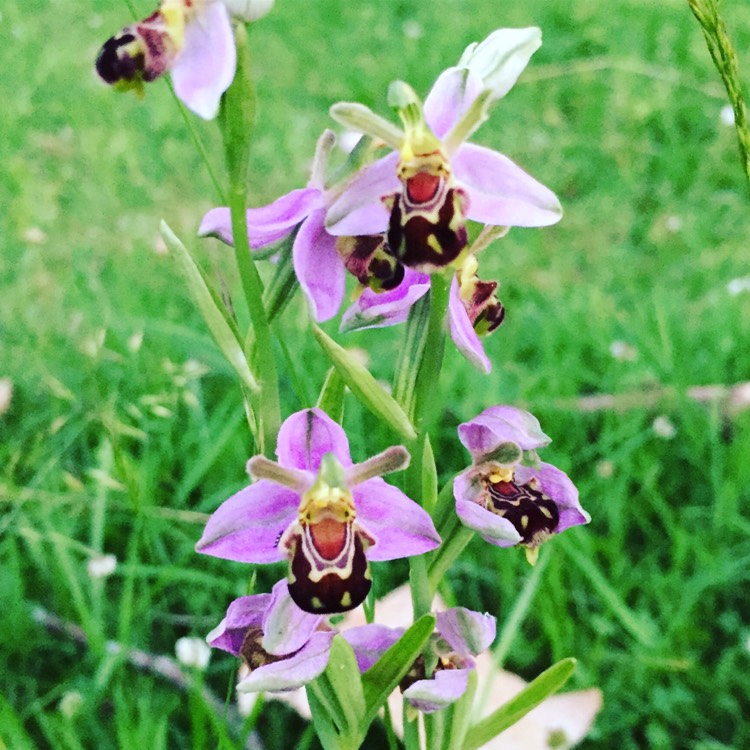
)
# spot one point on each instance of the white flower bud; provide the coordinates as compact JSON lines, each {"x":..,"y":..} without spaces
{"x":248,"y":10}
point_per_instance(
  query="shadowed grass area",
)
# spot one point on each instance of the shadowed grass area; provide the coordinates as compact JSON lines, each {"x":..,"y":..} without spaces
{"x":126,"y":425}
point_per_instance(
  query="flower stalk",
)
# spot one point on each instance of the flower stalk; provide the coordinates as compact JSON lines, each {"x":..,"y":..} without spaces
{"x":237,"y":114}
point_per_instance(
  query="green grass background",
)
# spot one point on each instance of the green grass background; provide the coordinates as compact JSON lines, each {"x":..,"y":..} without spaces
{"x":116,"y":448}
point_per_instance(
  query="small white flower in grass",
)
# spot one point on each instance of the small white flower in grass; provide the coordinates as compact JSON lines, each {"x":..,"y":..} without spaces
{"x":135,"y":341}
{"x":101,"y":566}
{"x":673,"y":223}
{"x":193,"y":652}
{"x":622,"y":351}
{"x":664,"y":428}
{"x":70,"y":703}
{"x":605,"y":469}
{"x":34,"y":235}
{"x":6,"y":394}
{"x":412,"y":29}
{"x":727,"y":115}
{"x":92,"y":344}
{"x":737,"y":286}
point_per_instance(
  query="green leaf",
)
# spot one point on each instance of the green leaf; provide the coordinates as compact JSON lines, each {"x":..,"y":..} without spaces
{"x":344,"y":679}
{"x":331,"y":399}
{"x":412,"y":350}
{"x":382,"y":677}
{"x":321,"y":716}
{"x":458,"y":716}
{"x":12,"y":731}
{"x":548,"y":682}
{"x":217,"y":323}
{"x":364,"y":386}
{"x":337,"y":700}
{"x":283,"y":284}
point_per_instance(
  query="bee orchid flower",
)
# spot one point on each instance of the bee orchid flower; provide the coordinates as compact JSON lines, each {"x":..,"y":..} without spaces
{"x":421,"y":195}
{"x":327,"y":516}
{"x":190,"y":39}
{"x":506,"y":501}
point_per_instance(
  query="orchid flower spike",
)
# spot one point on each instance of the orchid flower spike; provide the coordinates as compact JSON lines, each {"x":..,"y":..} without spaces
{"x":327,"y":516}
{"x":506,"y":501}
{"x":420,"y":196}
{"x":190,"y":39}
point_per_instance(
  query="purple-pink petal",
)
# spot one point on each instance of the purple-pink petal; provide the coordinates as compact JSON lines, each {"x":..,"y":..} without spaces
{"x":306,"y":436}
{"x":465,"y":631}
{"x":450,"y":98}
{"x":493,"y":528}
{"x":401,"y":527}
{"x":557,"y":485}
{"x":501,"y":424}
{"x":205,"y":67}
{"x":297,"y":670}
{"x":243,"y":613}
{"x":446,"y":687}
{"x":377,"y":310}
{"x":359,"y":209}
{"x":370,"y":642}
{"x":247,"y":526}
{"x":286,"y":628}
{"x":319,"y":268}
{"x":462,"y":331}
{"x":500,"y":192}
{"x":265,"y":224}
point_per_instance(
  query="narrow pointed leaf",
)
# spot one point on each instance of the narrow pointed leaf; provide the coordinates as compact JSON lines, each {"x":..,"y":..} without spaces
{"x":548,"y":682}
{"x":364,"y":386}
{"x":322,"y":718}
{"x":207,"y":304}
{"x":459,"y":715}
{"x":412,"y":348}
{"x":283,"y":284}
{"x":331,"y":399}
{"x":382,"y":677}
{"x":12,"y":730}
{"x":343,"y":677}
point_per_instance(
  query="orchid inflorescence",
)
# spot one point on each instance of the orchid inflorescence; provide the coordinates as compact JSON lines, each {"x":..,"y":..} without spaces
{"x":399,"y":216}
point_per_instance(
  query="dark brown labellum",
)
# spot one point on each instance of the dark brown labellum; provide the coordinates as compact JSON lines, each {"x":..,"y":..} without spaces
{"x":533,"y":514}
{"x":342,"y":587}
{"x":428,"y":235}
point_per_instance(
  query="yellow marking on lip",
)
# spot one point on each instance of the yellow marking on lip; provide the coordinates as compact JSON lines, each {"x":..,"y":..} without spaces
{"x":346,"y":599}
{"x":501,"y":475}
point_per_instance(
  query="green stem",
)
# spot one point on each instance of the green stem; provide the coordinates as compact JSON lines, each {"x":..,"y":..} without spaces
{"x":237,"y":120}
{"x":454,"y":543}
{"x":428,"y":372}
